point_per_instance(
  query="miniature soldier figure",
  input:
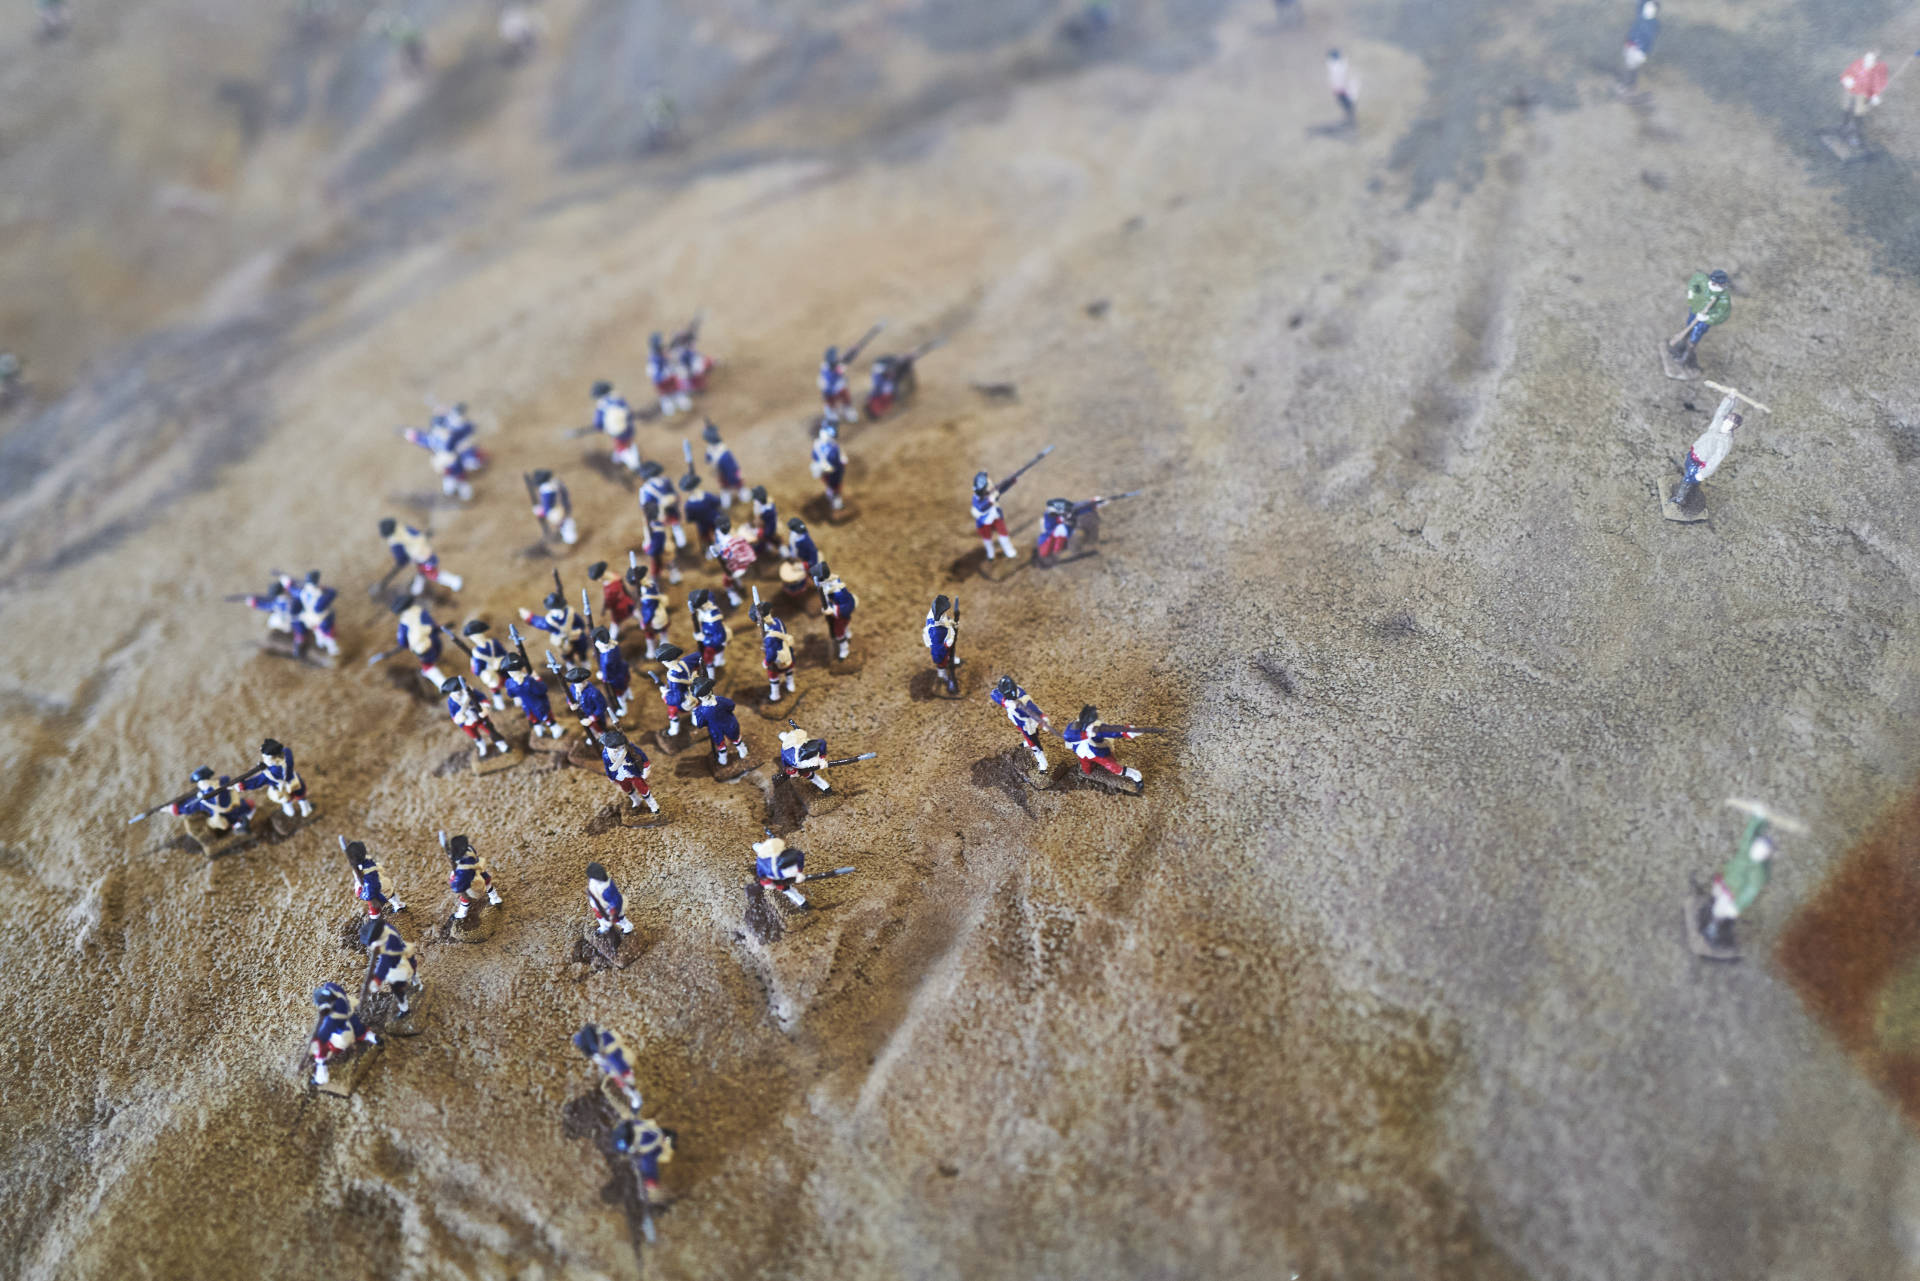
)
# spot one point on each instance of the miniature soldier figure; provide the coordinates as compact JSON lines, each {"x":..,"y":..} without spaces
{"x":338,"y":1029}
{"x":1864,"y":81}
{"x":1709,"y":451}
{"x":694,"y":366}
{"x":276,"y":773}
{"x":616,"y":602}
{"x":1025,"y":715}
{"x":451,"y":429}
{"x":1088,"y":737}
{"x":281,"y":611}
{"x":588,"y":703}
{"x":776,"y":867}
{"x":776,"y":652}
{"x":988,"y":520}
{"x":655,"y":488}
{"x":1708,"y":304}
{"x":1640,"y":37}
{"x":680,"y":674}
{"x":612,"y":418}
{"x":837,"y":603}
{"x":609,"y":1053}
{"x":648,"y":1147}
{"x":766,"y":523}
{"x":800,"y":545}
{"x":447,"y":461}
{"x":659,"y":563}
{"x":726,"y":469}
{"x":715,"y":715}
{"x":470,"y":876}
{"x":804,"y":758}
{"x":1739,"y":882}
{"x":665,"y":373}
{"x":1345,"y":85}
{"x":1061,"y":518}
{"x":488,"y":659}
{"x":709,"y":629}
{"x":409,"y":545}
{"x":470,"y":714}
{"x":836,"y":400}
{"x":419,"y":635}
{"x":369,"y":884}
{"x":315,"y":609}
{"x":651,"y":604}
{"x":395,"y":969}
{"x":942,"y":633}
{"x":217,"y":801}
{"x":628,"y":767}
{"x":608,"y":904}
{"x":528,"y":690}
{"x":566,"y":630}
{"x":734,"y":550}
{"x":702,"y":508}
{"x":829,"y":464}
{"x":553,"y":507}
{"x":614,"y":672}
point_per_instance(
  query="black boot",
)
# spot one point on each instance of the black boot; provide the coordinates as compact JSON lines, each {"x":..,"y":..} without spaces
{"x":1684,"y":491}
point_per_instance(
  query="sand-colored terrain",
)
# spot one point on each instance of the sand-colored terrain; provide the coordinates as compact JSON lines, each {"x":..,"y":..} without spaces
{"x":1382,"y":976}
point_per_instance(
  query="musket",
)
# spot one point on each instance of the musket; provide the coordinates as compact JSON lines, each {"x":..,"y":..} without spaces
{"x":558,"y":590}
{"x":1142,"y":729}
{"x":457,"y":639}
{"x":906,"y":361}
{"x":580,"y":433}
{"x":852,"y":353}
{"x":586,"y":610}
{"x":513,"y":633}
{"x":1728,"y":391}
{"x":688,"y":336}
{"x":827,"y":876}
{"x":566,"y":690}
{"x":953,"y":650}
{"x":533,"y":496}
{"x":753,"y":615}
{"x":163,"y":805}
{"x":1008,"y":482}
{"x":381,"y":586}
{"x":1114,"y":498}
{"x":633,"y":563}
{"x":849,"y":760}
{"x":686,"y":451}
{"x":246,"y":596}
{"x":383,"y":655}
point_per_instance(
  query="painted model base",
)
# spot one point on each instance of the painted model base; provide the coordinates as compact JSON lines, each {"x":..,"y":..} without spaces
{"x":345,"y":1071}
{"x":1040,"y":779}
{"x":542,"y":745}
{"x":476,"y":926}
{"x":928,"y":684}
{"x":625,"y":815}
{"x":616,"y":1098}
{"x":851,"y":665}
{"x":661,"y":743}
{"x":612,"y":950}
{"x":419,"y":1011}
{"x":1697,"y":942}
{"x":733,"y":769}
{"x":1845,"y":144}
{"x":495,"y":762}
{"x":1099,"y":778}
{"x":1687,"y":370}
{"x":281,"y":648}
{"x":1694,"y":510}
{"x":215,"y":843}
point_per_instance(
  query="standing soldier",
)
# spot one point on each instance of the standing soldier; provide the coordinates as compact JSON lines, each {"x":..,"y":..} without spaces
{"x":369,"y":883}
{"x":734,"y":550}
{"x":776,"y":650}
{"x":528,"y":690}
{"x":338,"y":1030}
{"x":942,"y":633}
{"x":1739,"y":883}
{"x":659,"y":562}
{"x":693,"y":364}
{"x":608,"y":1052}
{"x":710,"y":629}
{"x":419,"y":635}
{"x":588,"y":703}
{"x":217,"y":802}
{"x":467,"y":712}
{"x":488,"y":660}
{"x":665,"y":373}
{"x":836,"y":399}
{"x":410,"y":546}
{"x":680,"y":673}
{"x":828,"y":463}
{"x":655,"y":488}
{"x":616,"y":601}
{"x":612,"y":418}
{"x":837,"y":603}
{"x":552,"y":507}
{"x":566,"y":630}
{"x":1708,"y":452}
{"x":800,"y":545}
{"x":702,"y":507}
{"x":628,"y":767}
{"x":726,"y":469}
{"x":1025,"y":715}
{"x":470,"y":876}
{"x":650,"y":602}
{"x":447,"y":461}
{"x":614,"y":672}
{"x":1640,"y":37}
{"x":715,"y":715}
{"x":1864,"y":81}
{"x":608,"y":904}
{"x":988,"y":520}
{"x":766,"y":523}
{"x":1708,"y":304}
{"x":276,"y":773}
{"x":1345,"y":86}
{"x":394,"y":968}
{"x":315,"y":609}
{"x":1088,"y":737}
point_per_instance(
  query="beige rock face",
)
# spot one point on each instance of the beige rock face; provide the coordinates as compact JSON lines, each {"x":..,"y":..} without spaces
{"x":1379,"y":978}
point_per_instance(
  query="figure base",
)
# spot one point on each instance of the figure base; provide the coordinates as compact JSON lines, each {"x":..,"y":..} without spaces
{"x":542,"y":745}
{"x":345,"y":1072}
{"x":660,"y":743}
{"x":625,"y":815}
{"x":215,"y":843}
{"x":617,"y":1099}
{"x":733,"y":769}
{"x":610,"y":951}
{"x":312,"y":657}
{"x":495,"y":762}
{"x":414,"y":1021}
{"x":1844,"y":144}
{"x":1040,"y":779}
{"x":763,"y":920}
{"x":1099,"y":778}
{"x":851,"y":665}
{"x":1698,"y":943}
{"x":1691,"y":512}
{"x":927,"y":685}
{"x":476,"y":926}
{"x":1687,"y":370}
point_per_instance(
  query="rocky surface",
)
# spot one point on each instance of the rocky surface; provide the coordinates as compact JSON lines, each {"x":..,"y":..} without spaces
{"x":1383,"y":976}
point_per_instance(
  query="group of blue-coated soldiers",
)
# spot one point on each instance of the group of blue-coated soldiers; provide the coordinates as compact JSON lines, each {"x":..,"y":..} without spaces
{"x":592,"y":645}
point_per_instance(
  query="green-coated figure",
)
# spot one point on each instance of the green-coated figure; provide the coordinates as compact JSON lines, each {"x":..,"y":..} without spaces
{"x":1708,"y":304}
{"x":1739,"y":883}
